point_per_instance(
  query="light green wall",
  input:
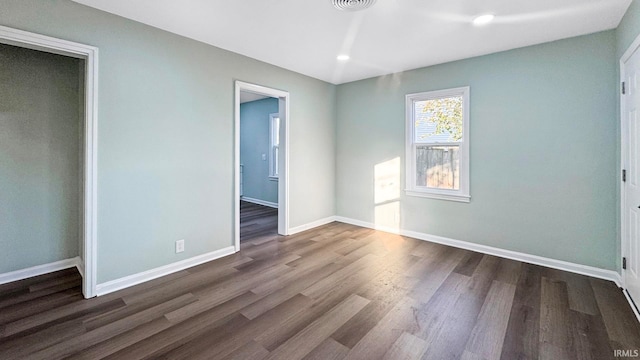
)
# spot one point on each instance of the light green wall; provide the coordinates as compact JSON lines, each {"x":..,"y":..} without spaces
{"x":165,"y":135}
{"x":39,"y":158}
{"x":543,"y":145}
{"x":254,"y":142}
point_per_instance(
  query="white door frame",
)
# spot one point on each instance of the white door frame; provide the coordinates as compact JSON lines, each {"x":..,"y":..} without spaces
{"x":90,"y":54}
{"x":283,"y":180}
{"x":624,"y":246}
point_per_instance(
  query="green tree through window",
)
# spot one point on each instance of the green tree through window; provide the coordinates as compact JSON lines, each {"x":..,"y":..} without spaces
{"x":446,"y":114}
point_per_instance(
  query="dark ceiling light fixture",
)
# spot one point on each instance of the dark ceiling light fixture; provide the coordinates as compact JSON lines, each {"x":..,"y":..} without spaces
{"x":352,"y":5}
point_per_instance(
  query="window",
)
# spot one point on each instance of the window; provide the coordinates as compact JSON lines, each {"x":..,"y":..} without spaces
{"x":274,"y":144}
{"x":438,"y":144}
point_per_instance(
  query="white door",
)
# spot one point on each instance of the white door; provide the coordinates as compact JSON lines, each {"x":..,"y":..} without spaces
{"x":631,"y":127}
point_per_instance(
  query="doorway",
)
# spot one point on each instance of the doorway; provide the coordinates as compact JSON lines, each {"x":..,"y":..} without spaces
{"x":262,"y":167}
{"x":259,"y":170}
{"x":88,"y":148}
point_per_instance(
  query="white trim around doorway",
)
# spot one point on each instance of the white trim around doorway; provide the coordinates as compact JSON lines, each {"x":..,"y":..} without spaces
{"x":10,"y":36}
{"x":283,"y":181}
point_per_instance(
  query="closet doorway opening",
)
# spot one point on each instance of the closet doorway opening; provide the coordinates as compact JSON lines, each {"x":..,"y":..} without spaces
{"x":33,"y":163}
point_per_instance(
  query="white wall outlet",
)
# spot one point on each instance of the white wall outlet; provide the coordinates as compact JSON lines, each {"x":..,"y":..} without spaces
{"x":179,"y":246}
{"x":264,"y":157}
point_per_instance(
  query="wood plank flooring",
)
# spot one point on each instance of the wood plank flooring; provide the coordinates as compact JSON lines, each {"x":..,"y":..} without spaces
{"x":334,"y":292}
{"x":257,"y":221}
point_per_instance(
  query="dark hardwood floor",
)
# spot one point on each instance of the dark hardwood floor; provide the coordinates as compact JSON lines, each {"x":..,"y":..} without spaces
{"x":334,"y":292}
{"x":257,"y":221}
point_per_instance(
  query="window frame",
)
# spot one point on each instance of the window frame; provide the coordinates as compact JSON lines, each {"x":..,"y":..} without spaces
{"x":461,"y":195}
{"x":273,"y":174}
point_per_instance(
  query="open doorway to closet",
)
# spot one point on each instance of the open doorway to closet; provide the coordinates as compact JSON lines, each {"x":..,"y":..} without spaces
{"x":48,"y":153}
{"x":261,"y":162}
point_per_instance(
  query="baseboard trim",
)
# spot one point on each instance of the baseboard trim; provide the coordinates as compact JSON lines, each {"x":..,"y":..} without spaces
{"x":259,"y":202}
{"x":311,"y":225}
{"x":509,"y":254}
{"x":39,"y":270}
{"x":135,"y":279}
{"x":80,"y":266}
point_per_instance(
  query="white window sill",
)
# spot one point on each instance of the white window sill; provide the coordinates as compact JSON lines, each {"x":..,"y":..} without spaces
{"x":439,"y":196}
{"x":273,"y":178}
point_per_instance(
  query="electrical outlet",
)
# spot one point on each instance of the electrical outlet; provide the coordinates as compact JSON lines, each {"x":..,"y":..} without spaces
{"x":264,"y":157}
{"x":179,"y":246}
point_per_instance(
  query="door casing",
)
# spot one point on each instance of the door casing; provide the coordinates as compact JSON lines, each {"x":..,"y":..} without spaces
{"x":283,"y":179}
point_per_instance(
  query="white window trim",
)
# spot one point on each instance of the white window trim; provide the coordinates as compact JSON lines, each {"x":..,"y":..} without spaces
{"x":272,"y":175}
{"x":461,"y":195}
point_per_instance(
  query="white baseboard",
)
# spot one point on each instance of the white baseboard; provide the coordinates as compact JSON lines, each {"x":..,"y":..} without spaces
{"x":616,"y":278}
{"x":311,"y":225}
{"x":259,"y":202}
{"x":135,"y":279}
{"x":514,"y":255}
{"x":80,"y":266}
{"x":39,"y":270}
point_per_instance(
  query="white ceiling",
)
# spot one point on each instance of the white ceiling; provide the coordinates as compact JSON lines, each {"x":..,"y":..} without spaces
{"x":394,"y":35}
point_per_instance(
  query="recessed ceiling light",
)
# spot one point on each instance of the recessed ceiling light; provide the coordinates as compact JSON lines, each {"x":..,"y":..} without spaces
{"x":343,"y":57}
{"x":483,"y":19}
{"x":352,"y":5}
